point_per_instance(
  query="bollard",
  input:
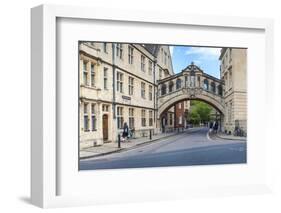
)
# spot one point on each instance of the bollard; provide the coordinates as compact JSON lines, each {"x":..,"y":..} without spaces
{"x":150,"y":134}
{"x":178,"y":130}
{"x":119,"y":141}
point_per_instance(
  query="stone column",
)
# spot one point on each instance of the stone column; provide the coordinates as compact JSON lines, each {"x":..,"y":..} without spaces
{"x":81,"y":71}
{"x":98,"y":75}
{"x":196,"y":81}
{"x":201,"y":81}
{"x":99,"y":123}
{"x":114,"y":125}
{"x":222,"y":122}
{"x":88,"y":73}
{"x":158,"y":125}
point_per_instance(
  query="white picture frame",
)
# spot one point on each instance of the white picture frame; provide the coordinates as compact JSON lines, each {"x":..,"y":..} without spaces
{"x":44,"y":148}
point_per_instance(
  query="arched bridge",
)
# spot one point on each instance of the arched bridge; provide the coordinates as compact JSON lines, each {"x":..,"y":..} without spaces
{"x":192,"y":84}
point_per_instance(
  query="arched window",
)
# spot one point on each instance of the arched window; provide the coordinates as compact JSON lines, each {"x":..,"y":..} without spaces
{"x":163,"y":89}
{"x":213,"y":87}
{"x":171,"y":85}
{"x":178,"y":83}
{"x":192,"y":81}
{"x":206,"y":84}
{"x":220,"y":90}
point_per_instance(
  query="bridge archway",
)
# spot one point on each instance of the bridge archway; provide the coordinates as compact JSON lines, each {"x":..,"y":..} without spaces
{"x":164,"y":108}
{"x":177,"y":99}
{"x":193,"y":84}
{"x":190,"y":84}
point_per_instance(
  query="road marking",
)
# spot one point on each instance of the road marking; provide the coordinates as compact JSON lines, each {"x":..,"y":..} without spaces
{"x":208,"y":136}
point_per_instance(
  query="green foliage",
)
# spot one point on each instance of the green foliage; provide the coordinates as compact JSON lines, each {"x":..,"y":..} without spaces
{"x":194,"y":117}
{"x":199,"y":112}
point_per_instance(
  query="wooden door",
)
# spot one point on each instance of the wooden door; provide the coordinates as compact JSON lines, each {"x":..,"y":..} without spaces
{"x":105,"y":127}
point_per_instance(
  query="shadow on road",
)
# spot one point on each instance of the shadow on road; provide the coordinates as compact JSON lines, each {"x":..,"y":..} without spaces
{"x":207,"y":155}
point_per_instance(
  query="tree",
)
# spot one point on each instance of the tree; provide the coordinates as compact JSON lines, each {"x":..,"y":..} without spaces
{"x":200,"y":112}
{"x":204,"y":111}
{"x":194,"y":117}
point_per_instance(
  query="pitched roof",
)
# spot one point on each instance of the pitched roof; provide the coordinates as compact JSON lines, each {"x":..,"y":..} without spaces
{"x":192,"y":68}
{"x":152,"y":48}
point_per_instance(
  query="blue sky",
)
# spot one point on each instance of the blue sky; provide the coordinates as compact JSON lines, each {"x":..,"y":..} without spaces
{"x":207,"y":58}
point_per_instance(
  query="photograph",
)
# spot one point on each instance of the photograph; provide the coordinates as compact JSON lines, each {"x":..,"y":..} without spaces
{"x":144,"y":107}
{"x":147,"y":105}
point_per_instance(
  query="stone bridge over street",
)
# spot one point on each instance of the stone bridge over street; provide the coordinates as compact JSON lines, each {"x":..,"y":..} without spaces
{"x":191,"y":84}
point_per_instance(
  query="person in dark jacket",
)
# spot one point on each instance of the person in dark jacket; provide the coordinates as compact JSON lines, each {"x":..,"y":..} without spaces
{"x":211,"y":125}
{"x":216,"y":126}
{"x":125,"y":130}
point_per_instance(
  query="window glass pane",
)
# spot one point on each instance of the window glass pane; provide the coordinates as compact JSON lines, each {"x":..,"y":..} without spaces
{"x":86,"y":126}
{"x":93,"y":122}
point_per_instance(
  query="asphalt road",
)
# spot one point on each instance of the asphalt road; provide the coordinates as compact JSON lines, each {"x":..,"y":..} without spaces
{"x":190,"y":148}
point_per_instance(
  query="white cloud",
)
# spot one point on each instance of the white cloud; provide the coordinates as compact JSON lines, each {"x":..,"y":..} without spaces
{"x":204,"y":51}
{"x":171,"y":50}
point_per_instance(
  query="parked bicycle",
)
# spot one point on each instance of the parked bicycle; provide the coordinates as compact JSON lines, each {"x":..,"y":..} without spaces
{"x":239,"y":132}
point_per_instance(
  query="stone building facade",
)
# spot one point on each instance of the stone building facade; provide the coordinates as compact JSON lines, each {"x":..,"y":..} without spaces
{"x":117,"y":85}
{"x":175,"y":117}
{"x":180,"y":113}
{"x":233,"y":71}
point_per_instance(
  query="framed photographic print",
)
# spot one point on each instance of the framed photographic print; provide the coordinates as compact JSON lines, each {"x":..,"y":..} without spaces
{"x":147,"y":106}
{"x":152,"y":105}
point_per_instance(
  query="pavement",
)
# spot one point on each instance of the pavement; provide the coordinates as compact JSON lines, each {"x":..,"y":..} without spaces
{"x":228,"y":137}
{"x":112,"y":147}
{"x":189,"y":148}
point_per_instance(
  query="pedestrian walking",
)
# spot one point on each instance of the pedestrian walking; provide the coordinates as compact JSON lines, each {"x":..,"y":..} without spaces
{"x":216,"y":125}
{"x":125,"y":131}
{"x":211,"y":126}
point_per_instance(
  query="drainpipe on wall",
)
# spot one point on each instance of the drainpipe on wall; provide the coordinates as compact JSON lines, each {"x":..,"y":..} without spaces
{"x":113,"y":84}
{"x":154,"y":91}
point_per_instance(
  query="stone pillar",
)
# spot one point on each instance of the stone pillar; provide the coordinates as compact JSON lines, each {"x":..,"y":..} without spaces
{"x":99,"y":123}
{"x":201,"y":82}
{"x":187,"y":81}
{"x":197,"y":84}
{"x":81,"y":120}
{"x":222,"y":122}
{"x":98,"y":75}
{"x":110,"y":120}
{"x":88,"y":73}
{"x":114,"y":126}
{"x":158,"y":125}
{"x":81,"y":71}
